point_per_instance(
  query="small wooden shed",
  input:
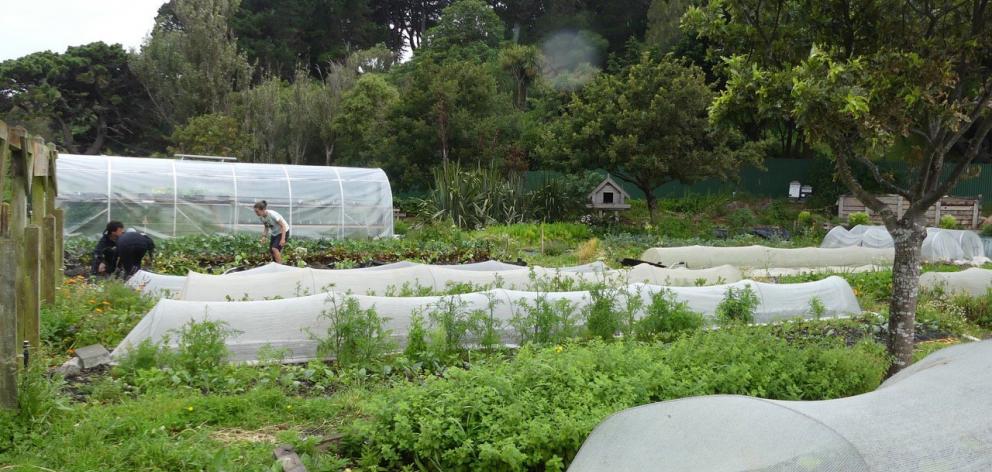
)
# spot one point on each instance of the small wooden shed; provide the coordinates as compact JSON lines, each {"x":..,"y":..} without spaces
{"x":967,"y":210}
{"x":608,"y":196}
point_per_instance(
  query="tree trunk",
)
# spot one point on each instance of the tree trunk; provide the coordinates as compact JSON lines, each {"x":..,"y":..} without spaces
{"x":651,"y":201}
{"x":908,"y":236}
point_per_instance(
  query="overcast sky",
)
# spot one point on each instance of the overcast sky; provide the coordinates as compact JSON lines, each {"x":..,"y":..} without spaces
{"x":28,"y":26}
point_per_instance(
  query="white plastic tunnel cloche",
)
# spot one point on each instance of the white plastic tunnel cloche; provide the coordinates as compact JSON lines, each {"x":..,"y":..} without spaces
{"x":169,"y":197}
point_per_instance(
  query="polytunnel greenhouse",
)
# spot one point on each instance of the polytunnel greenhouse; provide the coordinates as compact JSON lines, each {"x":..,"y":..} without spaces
{"x":170,"y":197}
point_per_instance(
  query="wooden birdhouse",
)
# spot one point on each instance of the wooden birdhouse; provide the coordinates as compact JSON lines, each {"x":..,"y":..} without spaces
{"x":608,"y":196}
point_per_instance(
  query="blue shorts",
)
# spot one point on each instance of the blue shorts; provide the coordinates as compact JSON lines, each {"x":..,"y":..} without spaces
{"x":274,"y":241}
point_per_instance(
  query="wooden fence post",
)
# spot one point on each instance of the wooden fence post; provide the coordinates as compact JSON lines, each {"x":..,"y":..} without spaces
{"x":59,"y":246}
{"x":48,"y":259}
{"x":8,"y":324}
{"x":29,"y":294}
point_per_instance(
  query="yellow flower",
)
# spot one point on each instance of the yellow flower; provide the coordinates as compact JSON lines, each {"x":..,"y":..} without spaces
{"x":559,"y":348}
{"x":189,"y":408}
{"x":289,"y":407}
{"x":92,"y":302}
{"x":98,"y":310}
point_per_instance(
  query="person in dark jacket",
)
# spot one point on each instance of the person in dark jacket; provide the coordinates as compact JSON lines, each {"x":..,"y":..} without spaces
{"x":132,"y":247}
{"x":105,"y":253}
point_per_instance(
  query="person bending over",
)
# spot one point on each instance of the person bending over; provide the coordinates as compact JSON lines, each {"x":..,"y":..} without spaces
{"x":270,"y":220}
{"x":105,"y":253}
{"x":132,"y":247}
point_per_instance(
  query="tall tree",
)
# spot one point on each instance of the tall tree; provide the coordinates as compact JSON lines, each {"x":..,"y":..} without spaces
{"x":362,"y":124}
{"x":279,"y":36}
{"x":191,"y":64}
{"x":906,"y":82}
{"x":87,"y":98}
{"x":647,"y":125}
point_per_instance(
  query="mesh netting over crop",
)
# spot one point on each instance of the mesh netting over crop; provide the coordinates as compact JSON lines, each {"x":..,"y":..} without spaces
{"x":167,"y":197}
{"x":293,"y":323}
{"x":932,"y":416}
{"x":973,"y":281}
{"x":762,"y":257}
{"x":284,"y":282}
{"x":941,"y":245}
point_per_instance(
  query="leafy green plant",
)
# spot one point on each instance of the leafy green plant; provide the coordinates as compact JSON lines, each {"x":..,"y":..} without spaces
{"x":816,"y":308}
{"x":545,"y":321}
{"x":601,"y":317}
{"x":948,"y":222}
{"x":858,"y":218}
{"x":666,"y":317}
{"x":449,"y":321}
{"x":738,"y":305}
{"x":354,"y":336}
{"x":509,"y":415}
{"x":742,"y":219}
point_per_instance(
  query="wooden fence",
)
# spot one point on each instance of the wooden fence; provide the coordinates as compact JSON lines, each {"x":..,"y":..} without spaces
{"x":31,"y":249}
{"x":967,"y":210}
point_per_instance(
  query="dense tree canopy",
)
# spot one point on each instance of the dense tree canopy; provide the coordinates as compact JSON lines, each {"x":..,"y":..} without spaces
{"x":86,"y":100}
{"x":868,"y":85}
{"x":649,"y":126}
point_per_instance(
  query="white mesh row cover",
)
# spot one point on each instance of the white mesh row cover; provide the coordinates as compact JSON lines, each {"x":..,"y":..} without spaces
{"x":932,"y":416}
{"x":763,"y":257}
{"x":973,"y":281}
{"x":168,"y":197}
{"x":171,"y":285}
{"x":940,"y":245}
{"x":306,"y":281}
{"x":792,"y":271}
{"x":160,"y":285}
{"x":293,"y":323}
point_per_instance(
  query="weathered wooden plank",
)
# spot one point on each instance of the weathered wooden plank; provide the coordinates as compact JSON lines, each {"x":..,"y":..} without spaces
{"x":15,"y":137}
{"x":4,"y":220}
{"x":8,"y":323}
{"x":59,"y":245}
{"x":4,"y":158}
{"x":19,"y":194}
{"x":38,"y":196}
{"x":48,"y":268}
{"x":40,"y":156}
{"x":29,"y":290}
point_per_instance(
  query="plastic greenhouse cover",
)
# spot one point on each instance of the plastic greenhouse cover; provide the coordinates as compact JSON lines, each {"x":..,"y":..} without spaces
{"x":932,"y":416}
{"x":167,"y":197}
{"x":294,"y":324}
{"x":302,"y":282}
{"x":940,"y":245}
{"x":763,"y":257}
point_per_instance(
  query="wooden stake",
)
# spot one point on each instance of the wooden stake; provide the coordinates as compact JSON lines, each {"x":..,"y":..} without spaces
{"x":28,"y":292}
{"x":48,"y":268}
{"x":8,"y":324}
{"x":59,"y":246}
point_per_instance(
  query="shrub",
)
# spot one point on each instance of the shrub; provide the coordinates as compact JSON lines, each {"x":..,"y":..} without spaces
{"x":805,"y":219}
{"x":666,"y":318}
{"x":201,"y":347}
{"x":534,"y":411}
{"x":545,"y":321}
{"x":987,"y":231}
{"x":977,"y":310}
{"x":858,"y":218}
{"x":355,"y":336}
{"x":602,"y":319}
{"x":742,"y":219}
{"x":948,"y":222}
{"x":449,"y":320}
{"x":738,"y":306}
